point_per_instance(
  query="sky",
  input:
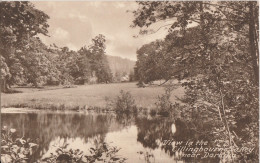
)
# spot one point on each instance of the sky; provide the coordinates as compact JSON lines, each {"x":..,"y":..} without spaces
{"x":74,"y":24}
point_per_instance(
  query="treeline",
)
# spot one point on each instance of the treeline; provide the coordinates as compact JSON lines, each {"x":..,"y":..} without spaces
{"x":25,"y":59}
{"x":212,"y":47}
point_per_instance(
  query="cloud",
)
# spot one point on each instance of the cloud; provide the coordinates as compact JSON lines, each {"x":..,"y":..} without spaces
{"x":74,"y":24}
{"x":60,"y":34}
{"x":79,"y":16}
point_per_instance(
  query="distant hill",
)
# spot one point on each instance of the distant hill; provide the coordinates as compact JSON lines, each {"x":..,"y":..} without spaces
{"x":120,"y":65}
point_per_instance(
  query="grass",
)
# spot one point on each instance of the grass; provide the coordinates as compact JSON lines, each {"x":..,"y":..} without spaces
{"x":84,"y":96}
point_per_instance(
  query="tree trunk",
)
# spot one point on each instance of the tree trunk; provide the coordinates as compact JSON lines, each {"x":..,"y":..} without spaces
{"x":3,"y":85}
{"x":252,"y":41}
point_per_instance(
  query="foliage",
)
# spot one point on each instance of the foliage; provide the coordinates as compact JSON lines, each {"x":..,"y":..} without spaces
{"x":151,"y":63}
{"x":14,"y":149}
{"x":124,"y":103}
{"x":26,"y":60}
{"x":95,"y":53}
{"x":213,"y":48}
{"x":102,"y":153}
{"x":132,"y":76}
{"x":20,"y":22}
{"x":163,"y":103}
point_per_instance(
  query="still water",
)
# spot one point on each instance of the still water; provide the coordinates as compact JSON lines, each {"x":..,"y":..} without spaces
{"x":133,"y":135}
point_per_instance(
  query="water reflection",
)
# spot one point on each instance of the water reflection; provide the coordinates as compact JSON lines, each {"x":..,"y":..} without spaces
{"x":47,"y":128}
{"x":173,"y":128}
{"x":140,"y":139}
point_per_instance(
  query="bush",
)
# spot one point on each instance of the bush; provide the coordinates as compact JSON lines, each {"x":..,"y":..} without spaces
{"x":164,"y":104}
{"x":53,"y":81}
{"x":125,"y":103}
{"x":153,"y":112}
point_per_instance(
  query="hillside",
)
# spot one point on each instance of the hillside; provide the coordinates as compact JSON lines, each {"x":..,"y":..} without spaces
{"x":120,"y":65}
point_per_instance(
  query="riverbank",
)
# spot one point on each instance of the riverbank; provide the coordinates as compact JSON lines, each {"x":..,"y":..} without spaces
{"x":84,"y":96}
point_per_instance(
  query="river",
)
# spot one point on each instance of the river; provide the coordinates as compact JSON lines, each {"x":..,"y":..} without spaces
{"x":140,"y":139}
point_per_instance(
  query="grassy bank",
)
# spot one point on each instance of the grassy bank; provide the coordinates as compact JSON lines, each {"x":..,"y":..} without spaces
{"x":85,"y":96}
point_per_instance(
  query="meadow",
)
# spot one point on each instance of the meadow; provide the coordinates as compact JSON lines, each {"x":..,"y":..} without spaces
{"x":84,"y":96}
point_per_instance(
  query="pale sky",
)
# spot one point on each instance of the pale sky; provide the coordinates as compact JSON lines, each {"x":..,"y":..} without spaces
{"x":74,"y":24}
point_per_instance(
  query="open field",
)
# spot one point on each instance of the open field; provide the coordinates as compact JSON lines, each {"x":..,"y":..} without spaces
{"x":85,"y":95}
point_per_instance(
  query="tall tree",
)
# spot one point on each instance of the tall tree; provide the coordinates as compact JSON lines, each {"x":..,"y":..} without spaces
{"x":213,"y":53}
{"x":19,"y":21}
{"x":228,"y":16}
{"x":153,"y":62}
{"x":97,"y":59}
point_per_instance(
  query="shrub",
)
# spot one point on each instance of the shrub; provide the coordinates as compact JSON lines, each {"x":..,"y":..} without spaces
{"x":14,"y":149}
{"x":153,"y":112}
{"x":164,"y":104}
{"x":125,"y":103}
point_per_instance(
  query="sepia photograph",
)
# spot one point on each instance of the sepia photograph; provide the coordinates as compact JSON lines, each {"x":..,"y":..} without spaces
{"x":129,"y":81}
